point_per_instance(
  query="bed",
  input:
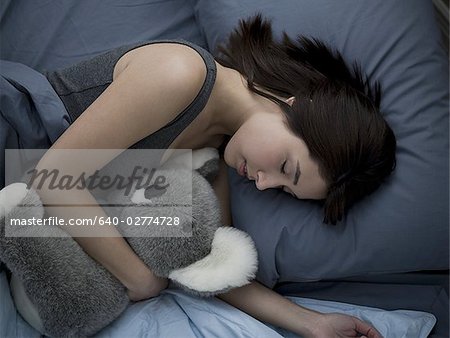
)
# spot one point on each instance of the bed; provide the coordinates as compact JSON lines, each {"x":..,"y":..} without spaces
{"x":386,"y":263}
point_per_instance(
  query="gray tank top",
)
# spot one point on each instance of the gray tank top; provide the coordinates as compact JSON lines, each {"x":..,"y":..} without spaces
{"x":79,"y":85}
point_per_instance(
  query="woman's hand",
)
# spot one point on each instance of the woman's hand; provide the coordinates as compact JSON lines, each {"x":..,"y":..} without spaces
{"x":145,"y":285}
{"x":147,"y":290}
{"x":268,"y":306}
{"x":335,"y":325}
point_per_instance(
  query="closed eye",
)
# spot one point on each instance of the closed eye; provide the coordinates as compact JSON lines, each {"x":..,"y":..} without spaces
{"x":283,"y":166}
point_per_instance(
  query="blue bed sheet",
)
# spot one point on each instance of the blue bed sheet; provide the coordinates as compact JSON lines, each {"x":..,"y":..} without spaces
{"x":31,"y":114}
{"x":177,"y":314}
{"x":34,"y":117}
{"x":53,"y":34}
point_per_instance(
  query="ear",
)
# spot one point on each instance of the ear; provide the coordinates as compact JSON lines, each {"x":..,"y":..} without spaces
{"x":290,"y":101}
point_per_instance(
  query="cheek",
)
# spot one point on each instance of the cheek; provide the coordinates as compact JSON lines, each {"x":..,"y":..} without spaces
{"x":312,"y":185}
{"x":249,"y":144}
{"x":315,"y":186}
{"x":238,"y":142}
{"x":314,"y":190}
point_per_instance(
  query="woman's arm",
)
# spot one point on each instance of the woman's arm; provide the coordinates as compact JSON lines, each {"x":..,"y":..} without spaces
{"x":137,"y":103}
{"x":268,"y":306}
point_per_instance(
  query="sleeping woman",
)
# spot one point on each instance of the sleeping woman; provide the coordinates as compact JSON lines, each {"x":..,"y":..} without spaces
{"x":289,"y":115}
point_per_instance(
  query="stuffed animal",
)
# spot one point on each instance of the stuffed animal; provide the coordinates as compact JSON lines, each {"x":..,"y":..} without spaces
{"x":62,"y":292}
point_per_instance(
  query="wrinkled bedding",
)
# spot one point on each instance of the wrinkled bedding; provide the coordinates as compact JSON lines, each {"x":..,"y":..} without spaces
{"x":47,"y":35}
{"x":31,"y":114}
{"x":176,"y":314}
{"x":34,"y":117}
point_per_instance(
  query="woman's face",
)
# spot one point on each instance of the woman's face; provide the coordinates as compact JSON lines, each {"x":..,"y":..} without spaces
{"x":266,"y":151}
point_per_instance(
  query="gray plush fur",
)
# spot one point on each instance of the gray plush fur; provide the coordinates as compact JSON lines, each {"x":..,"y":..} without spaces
{"x":209,"y":170}
{"x":74,"y":295}
{"x":164,"y":254}
{"x":167,"y":247}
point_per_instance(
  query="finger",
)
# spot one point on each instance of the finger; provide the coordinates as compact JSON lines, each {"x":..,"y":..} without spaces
{"x":367,"y":329}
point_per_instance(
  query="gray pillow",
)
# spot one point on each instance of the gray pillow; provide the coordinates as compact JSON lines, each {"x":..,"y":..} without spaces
{"x":403,"y":226}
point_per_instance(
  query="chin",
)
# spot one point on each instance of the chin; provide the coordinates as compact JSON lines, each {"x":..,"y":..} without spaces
{"x":227,"y":157}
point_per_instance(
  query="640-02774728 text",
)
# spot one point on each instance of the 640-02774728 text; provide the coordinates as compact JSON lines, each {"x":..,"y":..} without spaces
{"x":102,"y":220}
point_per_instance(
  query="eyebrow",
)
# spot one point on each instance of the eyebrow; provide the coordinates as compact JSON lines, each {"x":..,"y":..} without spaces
{"x":297,"y":173}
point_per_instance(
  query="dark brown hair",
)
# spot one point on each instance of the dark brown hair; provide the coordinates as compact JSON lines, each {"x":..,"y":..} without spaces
{"x":336,"y":111}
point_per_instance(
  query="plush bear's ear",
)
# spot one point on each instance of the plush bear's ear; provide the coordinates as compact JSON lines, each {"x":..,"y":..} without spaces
{"x":209,"y":170}
{"x":206,"y":162}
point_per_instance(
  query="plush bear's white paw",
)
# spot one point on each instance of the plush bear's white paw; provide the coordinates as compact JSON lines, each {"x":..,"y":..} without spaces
{"x":233,"y":262}
{"x":11,"y":196}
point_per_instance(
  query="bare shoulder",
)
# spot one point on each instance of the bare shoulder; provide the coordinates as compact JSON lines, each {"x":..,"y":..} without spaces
{"x":172,"y":62}
{"x":172,"y":74}
{"x":149,"y":92}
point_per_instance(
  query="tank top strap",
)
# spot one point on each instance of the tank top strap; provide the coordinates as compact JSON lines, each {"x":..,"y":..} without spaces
{"x":79,"y":85}
{"x":162,"y":138}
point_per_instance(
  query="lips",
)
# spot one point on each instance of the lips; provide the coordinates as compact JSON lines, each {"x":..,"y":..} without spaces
{"x":243,"y":169}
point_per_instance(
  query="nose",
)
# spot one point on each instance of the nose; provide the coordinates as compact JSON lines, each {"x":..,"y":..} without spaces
{"x":264,"y":181}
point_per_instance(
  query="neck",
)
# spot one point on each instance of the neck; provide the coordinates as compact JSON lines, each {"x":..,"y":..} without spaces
{"x":234,"y":103}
